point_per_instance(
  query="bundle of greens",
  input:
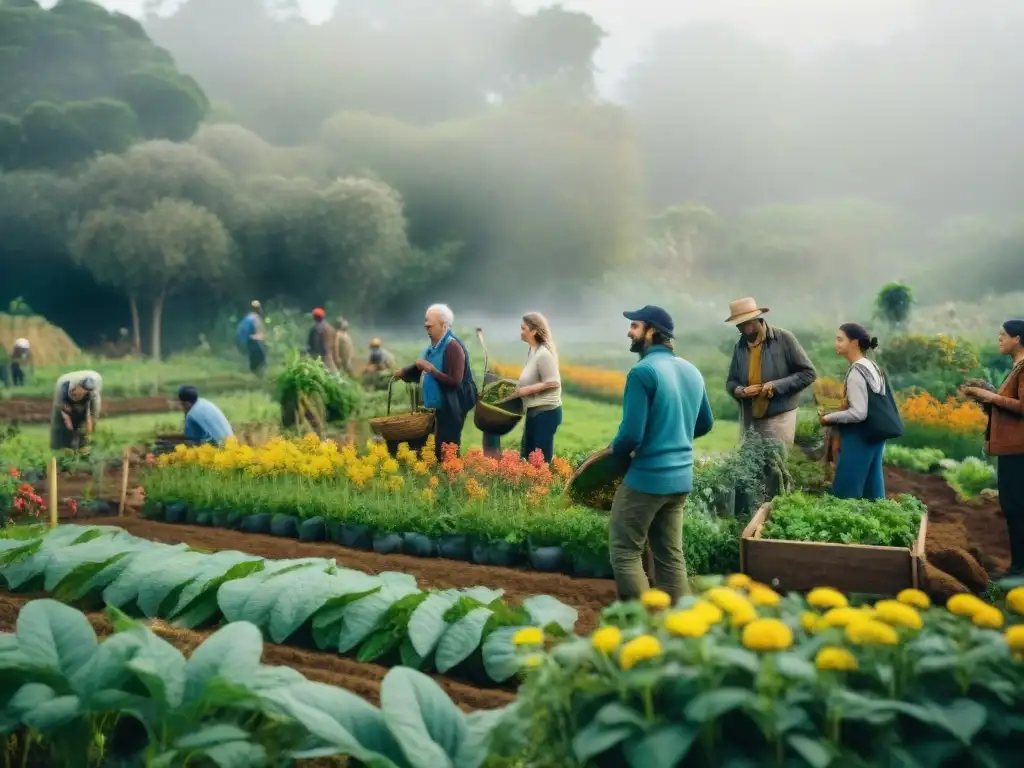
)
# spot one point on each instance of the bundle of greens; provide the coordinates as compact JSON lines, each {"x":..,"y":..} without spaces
{"x":970,"y":477}
{"x":499,"y":396}
{"x":887,"y":523}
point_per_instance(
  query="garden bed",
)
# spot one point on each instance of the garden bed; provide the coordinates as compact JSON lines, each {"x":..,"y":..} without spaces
{"x":803,"y":565}
{"x":330,"y":668}
{"x":27,"y":410}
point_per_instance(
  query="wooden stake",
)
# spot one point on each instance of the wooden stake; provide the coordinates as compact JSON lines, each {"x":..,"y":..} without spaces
{"x":124,"y":482}
{"x":53,"y":491}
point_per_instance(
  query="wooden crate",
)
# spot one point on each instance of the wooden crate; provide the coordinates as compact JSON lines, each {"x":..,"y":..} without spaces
{"x":803,"y":565}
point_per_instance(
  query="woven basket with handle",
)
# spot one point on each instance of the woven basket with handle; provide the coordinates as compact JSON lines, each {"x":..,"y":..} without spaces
{"x":399,"y":427}
{"x":495,"y":419}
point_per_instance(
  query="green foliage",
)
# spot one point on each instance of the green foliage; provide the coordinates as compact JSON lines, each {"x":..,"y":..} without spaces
{"x":887,"y":523}
{"x":341,"y":609}
{"x":970,"y":477}
{"x":103,"y":86}
{"x":893,"y":304}
{"x":937,"y":364}
{"x":954,"y":444}
{"x":708,"y":694}
{"x":332,"y":399}
{"x":923,"y":460}
{"x":808,"y":476}
{"x":133,"y":698}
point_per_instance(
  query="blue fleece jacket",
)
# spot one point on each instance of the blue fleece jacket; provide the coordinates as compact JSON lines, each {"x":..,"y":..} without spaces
{"x":205,"y":423}
{"x":665,"y":406}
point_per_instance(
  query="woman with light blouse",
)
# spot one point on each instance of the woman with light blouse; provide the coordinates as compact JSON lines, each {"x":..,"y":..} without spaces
{"x":540,"y":386}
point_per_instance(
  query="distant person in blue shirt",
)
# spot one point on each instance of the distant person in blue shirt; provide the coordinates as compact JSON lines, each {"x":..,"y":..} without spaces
{"x":665,"y":406}
{"x":204,"y":421}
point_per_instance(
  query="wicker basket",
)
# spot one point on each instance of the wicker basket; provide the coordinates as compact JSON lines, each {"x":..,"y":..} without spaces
{"x":602,"y":470}
{"x":402,"y":427}
{"x":494,"y":419}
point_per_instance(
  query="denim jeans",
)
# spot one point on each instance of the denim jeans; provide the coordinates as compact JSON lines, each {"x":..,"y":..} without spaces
{"x":636,"y":519}
{"x":539,"y":432}
{"x":859,"y":469}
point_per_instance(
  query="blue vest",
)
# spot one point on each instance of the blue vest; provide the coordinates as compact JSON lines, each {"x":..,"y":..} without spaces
{"x":432,"y":397}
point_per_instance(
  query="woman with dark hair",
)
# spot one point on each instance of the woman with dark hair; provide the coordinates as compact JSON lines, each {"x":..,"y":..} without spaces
{"x":859,"y":469}
{"x":1004,"y":437}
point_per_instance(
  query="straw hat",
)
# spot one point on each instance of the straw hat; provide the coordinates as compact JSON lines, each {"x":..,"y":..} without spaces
{"x":744,"y":310}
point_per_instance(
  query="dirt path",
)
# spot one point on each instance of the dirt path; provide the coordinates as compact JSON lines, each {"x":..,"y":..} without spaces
{"x":588,"y":596}
{"x":29,"y":410}
{"x":967,"y":541}
{"x":362,"y":679}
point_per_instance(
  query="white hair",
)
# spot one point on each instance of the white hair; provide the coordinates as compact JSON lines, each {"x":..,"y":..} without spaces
{"x":444,"y":312}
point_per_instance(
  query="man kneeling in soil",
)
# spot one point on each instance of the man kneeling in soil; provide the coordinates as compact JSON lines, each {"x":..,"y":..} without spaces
{"x":665,"y":406}
{"x":204,"y":421}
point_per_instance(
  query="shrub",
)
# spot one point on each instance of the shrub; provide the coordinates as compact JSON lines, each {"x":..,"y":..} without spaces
{"x":923,"y":460}
{"x":957,"y":428}
{"x":970,"y":477}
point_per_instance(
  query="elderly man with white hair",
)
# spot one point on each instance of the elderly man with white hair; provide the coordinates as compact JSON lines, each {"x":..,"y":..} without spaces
{"x":445,"y":377}
{"x":76,"y":407}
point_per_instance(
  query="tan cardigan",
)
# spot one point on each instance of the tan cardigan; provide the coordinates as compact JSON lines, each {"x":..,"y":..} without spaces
{"x":1005,"y":434}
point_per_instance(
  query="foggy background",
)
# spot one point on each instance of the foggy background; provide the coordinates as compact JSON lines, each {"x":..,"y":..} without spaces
{"x":578,"y":159}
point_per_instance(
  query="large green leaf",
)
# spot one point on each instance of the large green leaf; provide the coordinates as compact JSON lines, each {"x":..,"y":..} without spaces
{"x":611,"y":725}
{"x":28,"y":697}
{"x":107,"y":667}
{"x":545,"y":611}
{"x":176,"y":573}
{"x":709,"y":706}
{"x":427,"y":624}
{"x":160,"y":667}
{"x":461,"y":639}
{"x":476,"y":744}
{"x":55,"y":636}
{"x":91,"y":553}
{"x":123,"y":591}
{"x":362,"y":615}
{"x":232,"y":653}
{"x":815,"y":752}
{"x":427,"y":725}
{"x":214,"y":570}
{"x":22,"y":571}
{"x":501,"y":660}
{"x":237,"y":754}
{"x":253,"y":598}
{"x":483,"y":595}
{"x":211,"y":735}
{"x":664,"y":747}
{"x":52,"y":715}
{"x":296,"y":609}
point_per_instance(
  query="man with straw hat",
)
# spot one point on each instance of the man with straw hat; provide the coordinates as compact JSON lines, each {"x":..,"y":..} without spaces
{"x":769,"y":370}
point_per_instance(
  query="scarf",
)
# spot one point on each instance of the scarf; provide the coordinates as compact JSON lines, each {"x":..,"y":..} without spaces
{"x":760,"y":404}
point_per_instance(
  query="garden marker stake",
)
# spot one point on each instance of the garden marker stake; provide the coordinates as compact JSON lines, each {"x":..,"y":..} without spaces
{"x":124,"y":483}
{"x":53,"y":491}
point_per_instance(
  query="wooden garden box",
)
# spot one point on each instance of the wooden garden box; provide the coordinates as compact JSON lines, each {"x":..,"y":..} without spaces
{"x":803,"y":565}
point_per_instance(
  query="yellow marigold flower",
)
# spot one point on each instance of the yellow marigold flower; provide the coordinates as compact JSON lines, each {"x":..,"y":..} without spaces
{"x":533,"y":661}
{"x":742,"y":614}
{"x":427,"y":494}
{"x":687,"y":624}
{"x":655,"y":599}
{"x":1015,"y":638}
{"x":529,"y":636}
{"x":897,"y":614}
{"x":738,"y":581}
{"x":639,"y":649}
{"x":1015,"y":600}
{"x":834,"y":658}
{"x":725,"y":598}
{"x":759,"y":594}
{"x":964,"y":605}
{"x":420,"y":467}
{"x":767,"y":635}
{"x":871,"y":632}
{"x":915,"y":598}
{"x":810,"y":622}
{"x":434,"y":481}
{"x":824,"y":598}
{"x":988,"y":617}
{"x":606,"y":639}
{"x":390,"y":466}
{"x":842,"y":617}
{"x":712,"y":614}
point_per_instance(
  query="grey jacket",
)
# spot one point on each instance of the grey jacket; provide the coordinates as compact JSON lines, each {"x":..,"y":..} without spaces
{"x":783,"y":362}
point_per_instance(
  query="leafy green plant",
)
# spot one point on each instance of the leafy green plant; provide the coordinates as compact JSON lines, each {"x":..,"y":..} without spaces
{"x":134,"y":699}
{"x":743,"y":676}
{"x":372,"y":617}
{"x":807,"y":475}
{"x":893,"y":304}
{"x":305,"y":379}
{"x":970,"y":477}
{"x":923,"y":460}
{"x":888,"y":523}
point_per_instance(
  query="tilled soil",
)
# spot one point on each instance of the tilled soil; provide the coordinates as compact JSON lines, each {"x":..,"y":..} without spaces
{"x":361,"y":679}
{"x":588,"y":596}
{"x":966,"y":541}
{"x":29,"y":410}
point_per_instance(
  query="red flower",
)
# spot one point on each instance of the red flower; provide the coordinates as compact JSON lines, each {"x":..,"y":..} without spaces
{"x":25,"y":488}
{"x":14,"y":472}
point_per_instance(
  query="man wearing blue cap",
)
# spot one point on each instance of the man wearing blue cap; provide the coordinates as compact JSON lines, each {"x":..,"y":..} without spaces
{"x":664,"y":407}
{"x":204,"y":421}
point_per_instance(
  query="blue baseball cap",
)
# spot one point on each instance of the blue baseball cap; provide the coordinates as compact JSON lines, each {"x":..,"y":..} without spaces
{"x":656,"y":317}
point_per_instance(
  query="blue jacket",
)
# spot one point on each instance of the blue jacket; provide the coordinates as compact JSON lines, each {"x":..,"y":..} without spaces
{"x":205,"y":423}
{"x":434,"y":354}
{"x":664,"y":407}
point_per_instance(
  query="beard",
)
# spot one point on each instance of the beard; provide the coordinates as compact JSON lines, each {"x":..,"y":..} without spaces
{"x":638,"y":346}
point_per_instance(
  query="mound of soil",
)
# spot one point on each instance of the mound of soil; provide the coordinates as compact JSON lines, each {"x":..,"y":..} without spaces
{"x":362,"y":679}
{"x":967,"y":541}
